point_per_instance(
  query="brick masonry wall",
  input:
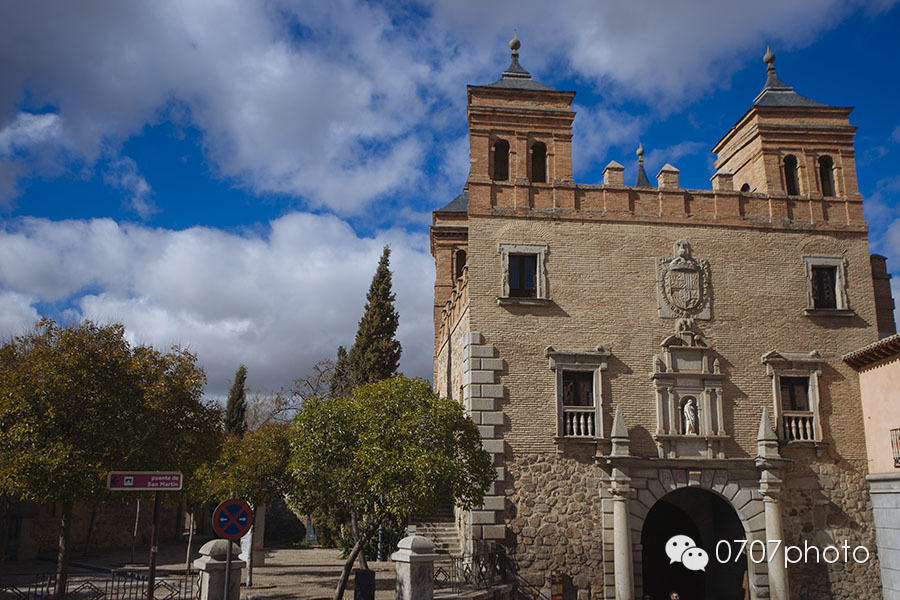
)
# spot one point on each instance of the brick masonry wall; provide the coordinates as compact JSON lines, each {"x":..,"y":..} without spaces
{"x":602,"y":281}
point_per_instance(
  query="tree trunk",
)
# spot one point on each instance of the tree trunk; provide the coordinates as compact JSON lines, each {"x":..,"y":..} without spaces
{"x":187,"y":557}
{"x":90,"y":531}
{"x":62,"y":557}
{"x":357,"y":547}
{"x":252,"y":533}
{"x":345,"y":574}
{"x":363,"y":564}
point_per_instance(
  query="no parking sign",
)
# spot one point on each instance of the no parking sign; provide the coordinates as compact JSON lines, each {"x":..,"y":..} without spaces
{"x":232,"y":519}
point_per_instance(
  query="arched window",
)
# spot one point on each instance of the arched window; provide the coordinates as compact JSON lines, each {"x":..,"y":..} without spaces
{"x":745,"y":189}
{"x":791,"y":180}
{"x":501,"y":160}
{"x":539,"y":162}
{"x":460,"y":263}
{"x":826,"y":175}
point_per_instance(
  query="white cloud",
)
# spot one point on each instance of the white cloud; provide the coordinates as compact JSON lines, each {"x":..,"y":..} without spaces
{"x":27,"y":130}
{"x":17,"y":313}
{"x":340,"y":103}
{"x":123,"y":174}
{"x":277,"y":303}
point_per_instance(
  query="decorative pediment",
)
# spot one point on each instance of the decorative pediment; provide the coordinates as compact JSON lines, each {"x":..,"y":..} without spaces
{"x":596,"y":357}
{"x":792,"y":361}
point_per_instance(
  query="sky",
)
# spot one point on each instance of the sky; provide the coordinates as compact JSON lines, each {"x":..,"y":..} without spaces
{"x":223,"y":175}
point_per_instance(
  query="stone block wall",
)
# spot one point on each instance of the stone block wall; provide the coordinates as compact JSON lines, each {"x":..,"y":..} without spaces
{"x":483,"y":398}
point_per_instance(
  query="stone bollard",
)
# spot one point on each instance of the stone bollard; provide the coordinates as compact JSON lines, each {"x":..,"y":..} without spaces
{"x":212,"y":570}
{"x":415,"y":568}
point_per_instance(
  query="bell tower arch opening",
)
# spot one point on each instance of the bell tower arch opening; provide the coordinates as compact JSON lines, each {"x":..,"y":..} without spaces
{"x":706,"y":518}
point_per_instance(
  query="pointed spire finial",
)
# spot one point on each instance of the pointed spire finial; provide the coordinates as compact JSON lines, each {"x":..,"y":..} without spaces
{"x":766,"y":433}
{"x":769,"y":59}
{"x":514,"y":43}
{"x":619,"y":429}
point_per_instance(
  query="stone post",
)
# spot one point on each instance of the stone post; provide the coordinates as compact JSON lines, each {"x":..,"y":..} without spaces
{"x":211,"y":564}
{"x":769,"y":461}
{"x":623,"y":559}
{"x":414,"y":561}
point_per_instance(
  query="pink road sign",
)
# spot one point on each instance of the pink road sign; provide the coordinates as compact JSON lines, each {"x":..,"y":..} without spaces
{"x":142,"y":481}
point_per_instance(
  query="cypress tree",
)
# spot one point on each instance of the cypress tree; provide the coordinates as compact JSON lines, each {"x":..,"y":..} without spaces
{"x":236,"y":408}
{"x":375,"y":354}
{"x":341,"y":384}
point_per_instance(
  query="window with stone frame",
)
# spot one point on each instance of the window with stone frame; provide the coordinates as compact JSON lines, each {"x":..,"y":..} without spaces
{"x":578,"y":392}
{"x":795,"y":387}
{"x":826,"y":285}
{"x":524,"y":278}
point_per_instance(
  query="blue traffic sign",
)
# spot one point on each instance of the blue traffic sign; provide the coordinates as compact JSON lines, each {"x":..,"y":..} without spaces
{"x":232,"y":519}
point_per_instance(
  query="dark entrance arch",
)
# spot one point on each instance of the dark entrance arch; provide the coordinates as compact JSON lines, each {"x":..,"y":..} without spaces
{"x":706,"y":518}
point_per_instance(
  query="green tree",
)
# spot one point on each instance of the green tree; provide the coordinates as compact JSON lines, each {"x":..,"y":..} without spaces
{"x":340,"y":384}
{"x":392,"y":449}
{"x":236,"y":407}
{"x":375,"y":354}
{"x":254,"y":468}
{"x":77,"y":402}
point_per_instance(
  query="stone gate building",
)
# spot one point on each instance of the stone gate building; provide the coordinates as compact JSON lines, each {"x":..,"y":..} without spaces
{"x":645,"y":362}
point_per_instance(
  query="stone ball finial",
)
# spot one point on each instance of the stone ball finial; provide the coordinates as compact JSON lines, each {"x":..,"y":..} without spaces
{"x":514,"y":43}
{"x":769,"y":57}
{"x":640,"y":151}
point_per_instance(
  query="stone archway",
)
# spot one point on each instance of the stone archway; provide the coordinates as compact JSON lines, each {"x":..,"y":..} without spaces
{"x":706,"y":518}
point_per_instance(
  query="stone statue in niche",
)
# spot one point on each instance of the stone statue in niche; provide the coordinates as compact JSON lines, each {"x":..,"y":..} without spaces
{"x":691,"y":422}
{"x":683,"y":284}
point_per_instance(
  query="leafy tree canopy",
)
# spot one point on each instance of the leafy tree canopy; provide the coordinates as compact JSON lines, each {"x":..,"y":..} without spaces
{"x":78,"y":401}
{"x":392,"y":448}
{"x":254,"y":467}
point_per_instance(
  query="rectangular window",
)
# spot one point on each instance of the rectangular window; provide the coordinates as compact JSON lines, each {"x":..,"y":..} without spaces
{"x":579,"y":412}
{"x":895,"y":446}
{"x":795,"y":393}
{"x":578,"y":388}
{"x":826,"y":286}
{"x":824,"y":282}
{"x":522,"y":275}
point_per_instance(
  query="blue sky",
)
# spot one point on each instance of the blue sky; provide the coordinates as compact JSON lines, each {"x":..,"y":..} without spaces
{"x":223,"y":175}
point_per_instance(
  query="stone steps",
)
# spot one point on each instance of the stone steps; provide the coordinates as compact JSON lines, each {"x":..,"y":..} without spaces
{"x":442,"y":534}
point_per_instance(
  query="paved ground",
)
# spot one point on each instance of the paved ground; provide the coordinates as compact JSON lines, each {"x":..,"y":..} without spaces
{"x":287,"y":574}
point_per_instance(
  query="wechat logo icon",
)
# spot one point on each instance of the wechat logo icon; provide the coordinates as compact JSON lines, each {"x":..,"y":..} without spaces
{"x":681,"y":548}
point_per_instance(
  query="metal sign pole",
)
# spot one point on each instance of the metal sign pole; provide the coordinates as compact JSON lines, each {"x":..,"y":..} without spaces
{"x":228,"y":572}
{"x":154,"y":533}
{"x":228,"y":566}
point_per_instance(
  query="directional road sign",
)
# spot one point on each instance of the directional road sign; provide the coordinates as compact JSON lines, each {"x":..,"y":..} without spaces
{"x":143,"y":481}
{"x":232,"y":519}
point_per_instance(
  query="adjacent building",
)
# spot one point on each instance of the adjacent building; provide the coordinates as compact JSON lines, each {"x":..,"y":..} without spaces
{"x":879,"y":382}
{"x":646,"y":361}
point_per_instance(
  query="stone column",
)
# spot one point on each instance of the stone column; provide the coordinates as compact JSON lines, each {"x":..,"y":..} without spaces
{"x":778,"y":577}
{"x":622,"y":545}
{"x":212,"y":564}
{"x":769,"y":462}
{"x":414,"y":561}
{"x":620,"y":488}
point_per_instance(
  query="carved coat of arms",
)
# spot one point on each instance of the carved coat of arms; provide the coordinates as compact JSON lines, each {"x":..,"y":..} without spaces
{"x":683,"y":284}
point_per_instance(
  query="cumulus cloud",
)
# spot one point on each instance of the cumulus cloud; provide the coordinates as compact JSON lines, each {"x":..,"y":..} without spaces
{"x":276,"y":302}
{"x":339,"y":103}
